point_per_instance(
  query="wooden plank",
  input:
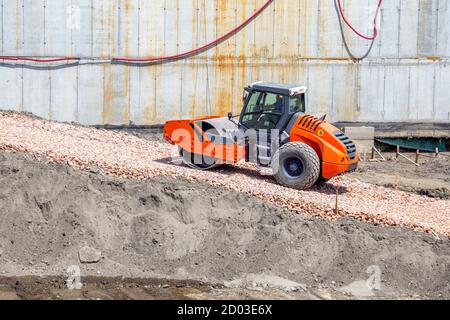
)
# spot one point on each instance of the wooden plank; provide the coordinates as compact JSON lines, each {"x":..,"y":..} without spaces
{"x":408,"y":159}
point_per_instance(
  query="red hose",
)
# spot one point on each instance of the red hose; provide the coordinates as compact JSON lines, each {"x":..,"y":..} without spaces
{"x":202,"y":48}
{"x":375,"y":28}
{"x":210,"y":44}
{"x":173,"y":57}
{"x":14,"y":58}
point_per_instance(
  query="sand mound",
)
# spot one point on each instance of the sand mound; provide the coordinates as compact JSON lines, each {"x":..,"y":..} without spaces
{"x":181,"y":229}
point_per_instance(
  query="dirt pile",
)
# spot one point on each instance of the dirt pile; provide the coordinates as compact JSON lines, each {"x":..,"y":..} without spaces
{"x":181,"y":229}
{"x":123,"y":155}
{"x":431,"y":178}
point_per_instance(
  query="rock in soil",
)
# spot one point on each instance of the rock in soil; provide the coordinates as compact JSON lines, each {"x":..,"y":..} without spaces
{"x":89,"y":255}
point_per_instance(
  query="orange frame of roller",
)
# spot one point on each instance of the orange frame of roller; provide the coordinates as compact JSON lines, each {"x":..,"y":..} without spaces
{"x":274,"y":131}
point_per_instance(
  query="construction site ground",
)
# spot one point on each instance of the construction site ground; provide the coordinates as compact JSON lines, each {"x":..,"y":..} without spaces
{"x":155,"y":229}
{"x":430,"y":178}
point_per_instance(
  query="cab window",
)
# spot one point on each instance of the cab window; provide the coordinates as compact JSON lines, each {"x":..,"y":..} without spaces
{"x":297,"y":104}
{"x":263,"y":111}
{"x":254,"y":100}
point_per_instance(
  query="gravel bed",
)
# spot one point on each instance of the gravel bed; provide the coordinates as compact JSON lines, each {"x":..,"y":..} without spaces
{"x":124,"y":155}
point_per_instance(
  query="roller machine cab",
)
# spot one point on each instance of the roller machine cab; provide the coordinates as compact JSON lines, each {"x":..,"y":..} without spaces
{"x":274,"y":131}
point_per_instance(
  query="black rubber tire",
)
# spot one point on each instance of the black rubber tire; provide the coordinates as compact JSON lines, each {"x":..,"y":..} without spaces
{"x":308,"y":157}
{"x":188,"y":160}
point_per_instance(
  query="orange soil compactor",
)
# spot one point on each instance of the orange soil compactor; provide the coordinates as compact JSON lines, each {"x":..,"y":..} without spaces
{"x":274,"y":131}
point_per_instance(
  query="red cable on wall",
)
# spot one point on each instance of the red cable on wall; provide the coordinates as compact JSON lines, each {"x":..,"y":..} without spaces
{"x":206,"y":46}
{"x":16,"y":58}
{"x":202,"y":48}
{"x":375,"y":27}
{"x":157,"y":59}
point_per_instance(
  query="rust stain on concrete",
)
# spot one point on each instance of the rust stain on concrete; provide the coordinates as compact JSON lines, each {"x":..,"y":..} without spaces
{"x":108,"y":97}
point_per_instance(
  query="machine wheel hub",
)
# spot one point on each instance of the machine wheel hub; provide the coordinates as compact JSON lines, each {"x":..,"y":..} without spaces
{"x":293,"y":167}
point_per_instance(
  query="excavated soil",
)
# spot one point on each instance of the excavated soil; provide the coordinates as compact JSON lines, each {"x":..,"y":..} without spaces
{"x":181,"y":229}
{"x":431,"y":178}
